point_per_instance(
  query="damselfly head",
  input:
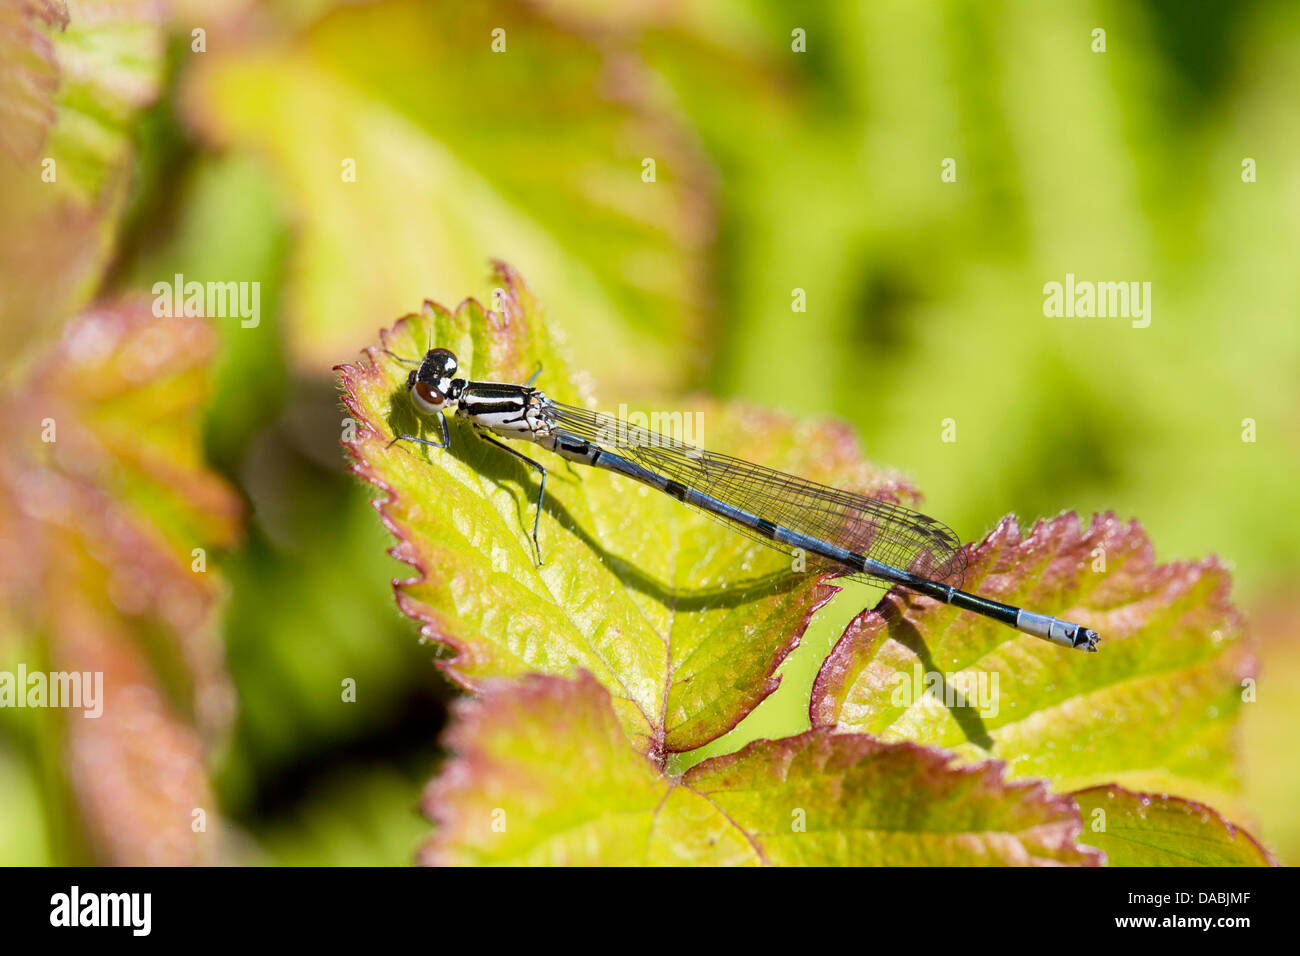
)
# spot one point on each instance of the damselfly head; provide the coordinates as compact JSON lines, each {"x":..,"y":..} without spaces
{"x":434,"y":386}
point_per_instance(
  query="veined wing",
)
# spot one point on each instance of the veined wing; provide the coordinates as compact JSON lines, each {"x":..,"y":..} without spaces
{"x":881,"y":530}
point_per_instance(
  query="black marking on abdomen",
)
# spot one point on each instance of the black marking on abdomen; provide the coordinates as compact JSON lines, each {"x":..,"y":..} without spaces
{"x":766,"y":528}
{"x":675,"y":489}
{"x":575,"y":446}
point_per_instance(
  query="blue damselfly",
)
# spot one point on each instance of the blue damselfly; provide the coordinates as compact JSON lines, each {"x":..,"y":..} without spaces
{"x":871,"y":539}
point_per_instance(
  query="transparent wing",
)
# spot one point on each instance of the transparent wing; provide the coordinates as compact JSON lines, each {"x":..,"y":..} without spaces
{"x":881,"y":530}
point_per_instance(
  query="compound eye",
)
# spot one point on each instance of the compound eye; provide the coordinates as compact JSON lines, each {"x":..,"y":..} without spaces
{"x":445,"y":359}
{"x":428,"y":394}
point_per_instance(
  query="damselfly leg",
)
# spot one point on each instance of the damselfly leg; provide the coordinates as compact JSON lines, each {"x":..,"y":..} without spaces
{"x":541,"y":492}
{"x":446,"y":437}
{"x":405,"y":361}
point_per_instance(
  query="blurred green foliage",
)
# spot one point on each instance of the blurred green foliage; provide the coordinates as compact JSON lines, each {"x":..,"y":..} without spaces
{"x":775,"y":171}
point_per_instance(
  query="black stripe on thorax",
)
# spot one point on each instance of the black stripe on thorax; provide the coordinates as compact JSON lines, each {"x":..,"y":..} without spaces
{"x":476,"y":390}
{"x":475,"y":407}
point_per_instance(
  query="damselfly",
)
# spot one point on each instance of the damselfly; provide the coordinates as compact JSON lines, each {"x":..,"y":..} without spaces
{"x":874,"y":540}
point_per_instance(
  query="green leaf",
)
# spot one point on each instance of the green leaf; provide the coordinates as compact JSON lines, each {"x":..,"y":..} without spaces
{"x":1154,"y":710}
{"x":457,"y":158}
{"x":1142,"y":829}
{"x":31,"y":75}
{"x":78,"y":85}
{"x":542,"y":774}
{"x":106,"y":518}
{"x":684,"y":621}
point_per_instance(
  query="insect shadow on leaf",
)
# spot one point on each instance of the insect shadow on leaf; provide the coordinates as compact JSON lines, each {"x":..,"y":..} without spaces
{"x":467,"y":448}
{"x":966,"y":714}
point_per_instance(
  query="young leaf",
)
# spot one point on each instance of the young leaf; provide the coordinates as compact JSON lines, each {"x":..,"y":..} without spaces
{"x":542,"y":774}
{"x":682,"y":620}
{"x":105,"y":518}
{"x":139,"y":769}
{"x":1154,"y":710}
{"x":31,"y":75}
{"x":1142,"y":829}
{"x":80,"y":75}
